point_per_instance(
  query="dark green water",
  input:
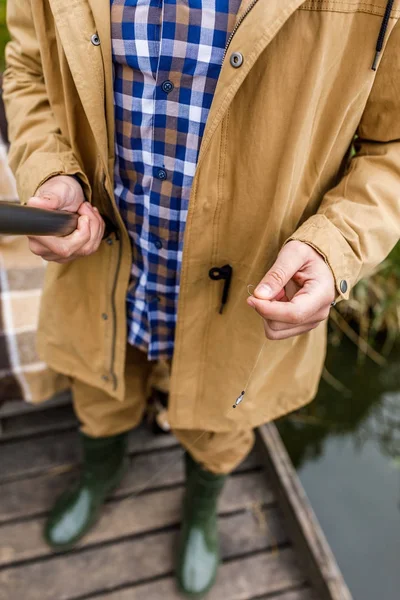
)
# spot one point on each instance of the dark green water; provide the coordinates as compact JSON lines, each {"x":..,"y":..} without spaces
{"x":346,"y":448}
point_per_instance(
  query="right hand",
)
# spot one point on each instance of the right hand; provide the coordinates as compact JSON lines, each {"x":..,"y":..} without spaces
{"x":63,"y":192}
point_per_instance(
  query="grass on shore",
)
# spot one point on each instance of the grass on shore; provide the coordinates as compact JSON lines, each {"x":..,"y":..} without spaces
{"x":3,"y":33}
{"x":374,"y":306}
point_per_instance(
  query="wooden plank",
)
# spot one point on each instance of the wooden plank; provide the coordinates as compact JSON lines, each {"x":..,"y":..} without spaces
{"x":305,"y":530}
{"x":240,"y":579}
{"x":36,"y":423}
{"x":19,"y":407}
{"x":61,"y":451}
{"x":133,"y":561}
{"x":133,"y":516}
{"x":24,"y":498}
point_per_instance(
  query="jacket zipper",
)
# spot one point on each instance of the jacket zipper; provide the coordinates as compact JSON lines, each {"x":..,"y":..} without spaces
{"x":234,"y":30}
{"x":113,"y":303}
{"x":114,"y":312}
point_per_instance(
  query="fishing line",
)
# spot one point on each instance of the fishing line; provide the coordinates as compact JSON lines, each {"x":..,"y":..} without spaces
{"x":240,"y":398}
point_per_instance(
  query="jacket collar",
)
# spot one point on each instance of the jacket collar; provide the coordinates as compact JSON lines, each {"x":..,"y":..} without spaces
{"x":253,"y":35}
{"x":90,"y":65}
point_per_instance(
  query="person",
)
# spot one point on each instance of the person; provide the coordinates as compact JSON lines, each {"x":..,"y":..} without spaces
{"x":207,"y":147}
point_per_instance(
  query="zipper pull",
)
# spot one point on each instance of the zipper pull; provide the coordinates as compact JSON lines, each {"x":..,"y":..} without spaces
{"x":225,"y":273}
{"x":239,"y":399}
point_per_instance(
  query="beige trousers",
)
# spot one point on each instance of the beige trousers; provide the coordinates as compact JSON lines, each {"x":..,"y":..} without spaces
{"x":102,"y":415}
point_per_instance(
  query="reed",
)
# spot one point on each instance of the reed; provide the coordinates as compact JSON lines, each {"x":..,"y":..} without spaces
{"x":3,"y":33}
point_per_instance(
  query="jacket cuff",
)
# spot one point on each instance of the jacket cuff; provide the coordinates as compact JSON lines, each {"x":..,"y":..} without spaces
{"x":41,"y":166}
{"x":322,"y":235}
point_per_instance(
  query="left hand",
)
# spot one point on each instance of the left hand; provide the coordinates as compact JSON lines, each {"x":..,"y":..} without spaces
{"x":296,"y":294}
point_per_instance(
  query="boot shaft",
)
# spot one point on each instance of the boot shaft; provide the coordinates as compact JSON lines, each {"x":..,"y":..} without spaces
{"x":102,"y":457}
{"x":203,"y":488}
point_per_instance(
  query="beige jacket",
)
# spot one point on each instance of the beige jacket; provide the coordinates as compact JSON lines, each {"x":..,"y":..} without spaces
{"x":273,"y":165}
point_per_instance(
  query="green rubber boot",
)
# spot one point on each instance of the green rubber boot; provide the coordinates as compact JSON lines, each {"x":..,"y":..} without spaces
{"x":77,"y":509}
{"x":198,"y":556}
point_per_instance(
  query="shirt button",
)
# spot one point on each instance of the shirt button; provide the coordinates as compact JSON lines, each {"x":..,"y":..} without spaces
{"x":167,"y":86}
{"x":343,"y":286}
{"x":158,"y":244}
{"x":162,"y":174}
{"x":236,"y":59}
{"x":95,"y":40}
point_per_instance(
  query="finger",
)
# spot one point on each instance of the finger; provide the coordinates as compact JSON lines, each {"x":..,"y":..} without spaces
{"x":303,"y":307}
{"x":96,"y":220}
{"x":37,"y":248}
{"x":285,"y":266}
{"x":90,"y":211}
{"x":271,"y":334}
{"x":48,"y":202}
{"x":42,"y":252}
{"x":65,"y":247}
{"x":278,"y":326}
{"x":37,"y":245}
{"x":97,"y":227}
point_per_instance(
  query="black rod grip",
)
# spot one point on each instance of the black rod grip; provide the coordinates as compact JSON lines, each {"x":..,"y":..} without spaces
{"x":16,"y":219}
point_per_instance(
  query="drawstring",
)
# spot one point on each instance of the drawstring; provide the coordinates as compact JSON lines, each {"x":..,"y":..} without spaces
{"x":382,"y":34}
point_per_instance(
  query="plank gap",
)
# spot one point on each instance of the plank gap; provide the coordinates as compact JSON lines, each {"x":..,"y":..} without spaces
{"x":292,"y":592}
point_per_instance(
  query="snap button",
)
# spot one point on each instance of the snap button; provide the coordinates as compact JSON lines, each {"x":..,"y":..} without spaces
{"x":236,"y":59}
{"x":105,"y":378}
{"x":167,"y":86}
{"x":162,"y":174}
{"x":343,"y":286}
{"x":109,"y":241}
{"x":95,"y":40}
{"x":104,"y":316}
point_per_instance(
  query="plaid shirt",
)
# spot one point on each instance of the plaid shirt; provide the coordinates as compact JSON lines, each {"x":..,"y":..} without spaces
{"x":167,"y":58}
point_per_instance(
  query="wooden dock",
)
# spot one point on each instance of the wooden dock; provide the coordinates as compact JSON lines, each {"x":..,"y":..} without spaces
{"x":271,"y":545}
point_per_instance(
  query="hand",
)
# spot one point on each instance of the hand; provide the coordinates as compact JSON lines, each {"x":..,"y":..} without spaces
{"x":65,"y":193}
{"x":296,"y":294}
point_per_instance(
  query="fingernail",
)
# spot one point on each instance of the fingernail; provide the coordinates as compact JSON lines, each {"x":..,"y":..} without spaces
{"x":251,"y":303}
{"x":85,"y":219}
{"x":263,"y":291}
{"x":95,"y":209}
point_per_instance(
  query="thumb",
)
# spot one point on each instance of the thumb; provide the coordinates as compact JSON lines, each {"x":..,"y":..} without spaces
{"x":49,"y":201}
{"x":289,"y":261}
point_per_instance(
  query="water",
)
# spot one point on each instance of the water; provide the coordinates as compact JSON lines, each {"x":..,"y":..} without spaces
{"x":346,"y":448}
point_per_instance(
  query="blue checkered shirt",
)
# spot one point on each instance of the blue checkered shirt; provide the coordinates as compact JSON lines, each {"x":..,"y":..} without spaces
{"x":167,"y":57}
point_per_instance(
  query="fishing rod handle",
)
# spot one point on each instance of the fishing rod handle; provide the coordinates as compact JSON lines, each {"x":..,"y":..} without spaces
{"x":16,"y":219}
